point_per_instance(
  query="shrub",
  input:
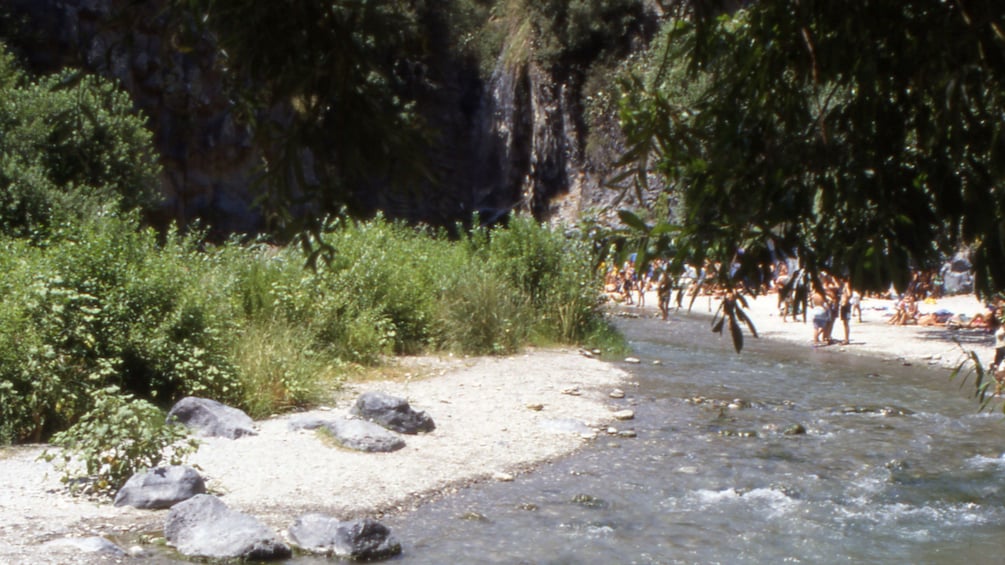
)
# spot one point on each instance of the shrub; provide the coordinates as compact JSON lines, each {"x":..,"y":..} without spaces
{"x":277,"y":371}
{"x":553,"y":271}
{"x":386,"y":273}
{"x":104,"y":303}
{"x":72,"y":147}
{"x":483,"y":315}
{"x":117,"y":438}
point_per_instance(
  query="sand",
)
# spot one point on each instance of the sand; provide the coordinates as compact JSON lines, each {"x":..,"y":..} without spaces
{"x":496,"y":418}
{"x":873,"y":336}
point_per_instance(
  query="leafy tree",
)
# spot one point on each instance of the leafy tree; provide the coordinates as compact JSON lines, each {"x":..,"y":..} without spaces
{"x":70,"y":144}
{"x":863,"y":138}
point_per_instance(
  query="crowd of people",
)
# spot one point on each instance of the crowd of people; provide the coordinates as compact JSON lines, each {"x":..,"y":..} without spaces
{"x":831,"y":306}
{"x":832,"y":301}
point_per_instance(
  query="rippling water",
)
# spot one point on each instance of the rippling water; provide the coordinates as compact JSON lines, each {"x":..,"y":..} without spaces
{"x":895,"y":466}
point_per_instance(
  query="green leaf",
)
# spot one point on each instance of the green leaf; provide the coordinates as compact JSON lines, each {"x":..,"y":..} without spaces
{"x":633,"y":221}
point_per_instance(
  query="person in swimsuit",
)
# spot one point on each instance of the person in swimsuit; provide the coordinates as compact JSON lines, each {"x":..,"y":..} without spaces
{"x":821,"y":317}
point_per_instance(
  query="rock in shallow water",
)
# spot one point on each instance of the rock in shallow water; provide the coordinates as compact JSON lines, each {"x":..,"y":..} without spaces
{"x":203,"y":526}
{"x":364,"y":539}
{"x":93,"y":544}
{"x":624,"y":415}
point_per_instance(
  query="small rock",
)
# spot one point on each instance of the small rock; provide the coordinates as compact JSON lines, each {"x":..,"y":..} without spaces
{"x":392,"y":412}
{"x":94,"y":544}
{"x":624,"y":415}
{"x":363,"y":435}
{"x":627,"y":433}
{"x":574,"y":391}
{"x":633,"y":360}
{"x":795,"y":430}
{"x":585,"y":353}
{"x":617,"y":393}
{"x":657,"y":362}
{"x":536,"y":406}
{"x":502,"y":477}
{"x":612,"y":430}
{"x":596,"y":351}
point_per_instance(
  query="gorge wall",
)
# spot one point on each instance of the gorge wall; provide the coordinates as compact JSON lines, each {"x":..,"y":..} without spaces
{"x":516,"y":140}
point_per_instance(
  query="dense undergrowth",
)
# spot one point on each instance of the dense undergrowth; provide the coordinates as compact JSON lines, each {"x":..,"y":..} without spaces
{"x":104,"y":323}
{"x":104,"y":303}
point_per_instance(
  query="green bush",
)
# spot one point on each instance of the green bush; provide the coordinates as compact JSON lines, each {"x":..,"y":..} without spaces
{"x":483,"y":315}
{"x":106,"y":303}
{"x":72,"y":147}
{"x":118,"y":437}
{"x":277,"y":372}
{"x":553,"y":271}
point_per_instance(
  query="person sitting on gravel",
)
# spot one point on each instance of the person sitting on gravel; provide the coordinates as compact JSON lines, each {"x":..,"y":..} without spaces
{"x":907,"y":312}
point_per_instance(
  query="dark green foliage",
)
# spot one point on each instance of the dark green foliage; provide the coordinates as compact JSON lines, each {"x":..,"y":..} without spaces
{"x":862,"y":138}
{"x":340,"y":73}
{"x":567,"y":30}
{"x":105,"y":303}
{"x":72,"y":146}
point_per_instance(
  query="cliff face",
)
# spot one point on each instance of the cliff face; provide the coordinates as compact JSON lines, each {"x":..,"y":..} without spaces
{"x":515,"y":141}
{"x":208,"y":158}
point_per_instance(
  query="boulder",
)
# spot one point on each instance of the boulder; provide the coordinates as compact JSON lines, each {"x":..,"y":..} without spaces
{"x":365,"y":539}
{"x":363,"y":436}
{"x":162,"y":487}
{"x":211,"y":418}
{"x":392,"y":412}
{"x":203,"y":526}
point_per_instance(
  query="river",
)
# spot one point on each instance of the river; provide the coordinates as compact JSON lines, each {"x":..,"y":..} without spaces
{"x":895,"y":466}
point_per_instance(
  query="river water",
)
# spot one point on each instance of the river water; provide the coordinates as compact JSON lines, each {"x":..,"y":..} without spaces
{"x":895,"y":466}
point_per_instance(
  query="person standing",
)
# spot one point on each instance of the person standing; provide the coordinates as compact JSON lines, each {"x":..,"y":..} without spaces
{"x":821,"y":316}
{"x":844,"y":309}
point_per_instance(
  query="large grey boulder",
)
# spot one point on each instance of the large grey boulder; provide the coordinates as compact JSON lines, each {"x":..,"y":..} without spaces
{"x":203,"y":526}
{"x":211,"y":418}
{"x":392,"y":412}
{"x":162,"y":487}
{"x":363,"y":436}
{"x":364,"y":539}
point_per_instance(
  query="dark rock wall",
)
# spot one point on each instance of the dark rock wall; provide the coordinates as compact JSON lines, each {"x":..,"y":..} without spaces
{"x":209,"y":159}
{"x":512,"y":142}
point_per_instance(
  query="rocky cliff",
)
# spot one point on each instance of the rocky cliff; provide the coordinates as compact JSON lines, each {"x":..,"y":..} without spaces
{"x":514,"y":141}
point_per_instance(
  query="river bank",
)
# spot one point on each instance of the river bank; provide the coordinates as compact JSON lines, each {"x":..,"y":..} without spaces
{"x":873,"y":336}
{"x":495,"y":419}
